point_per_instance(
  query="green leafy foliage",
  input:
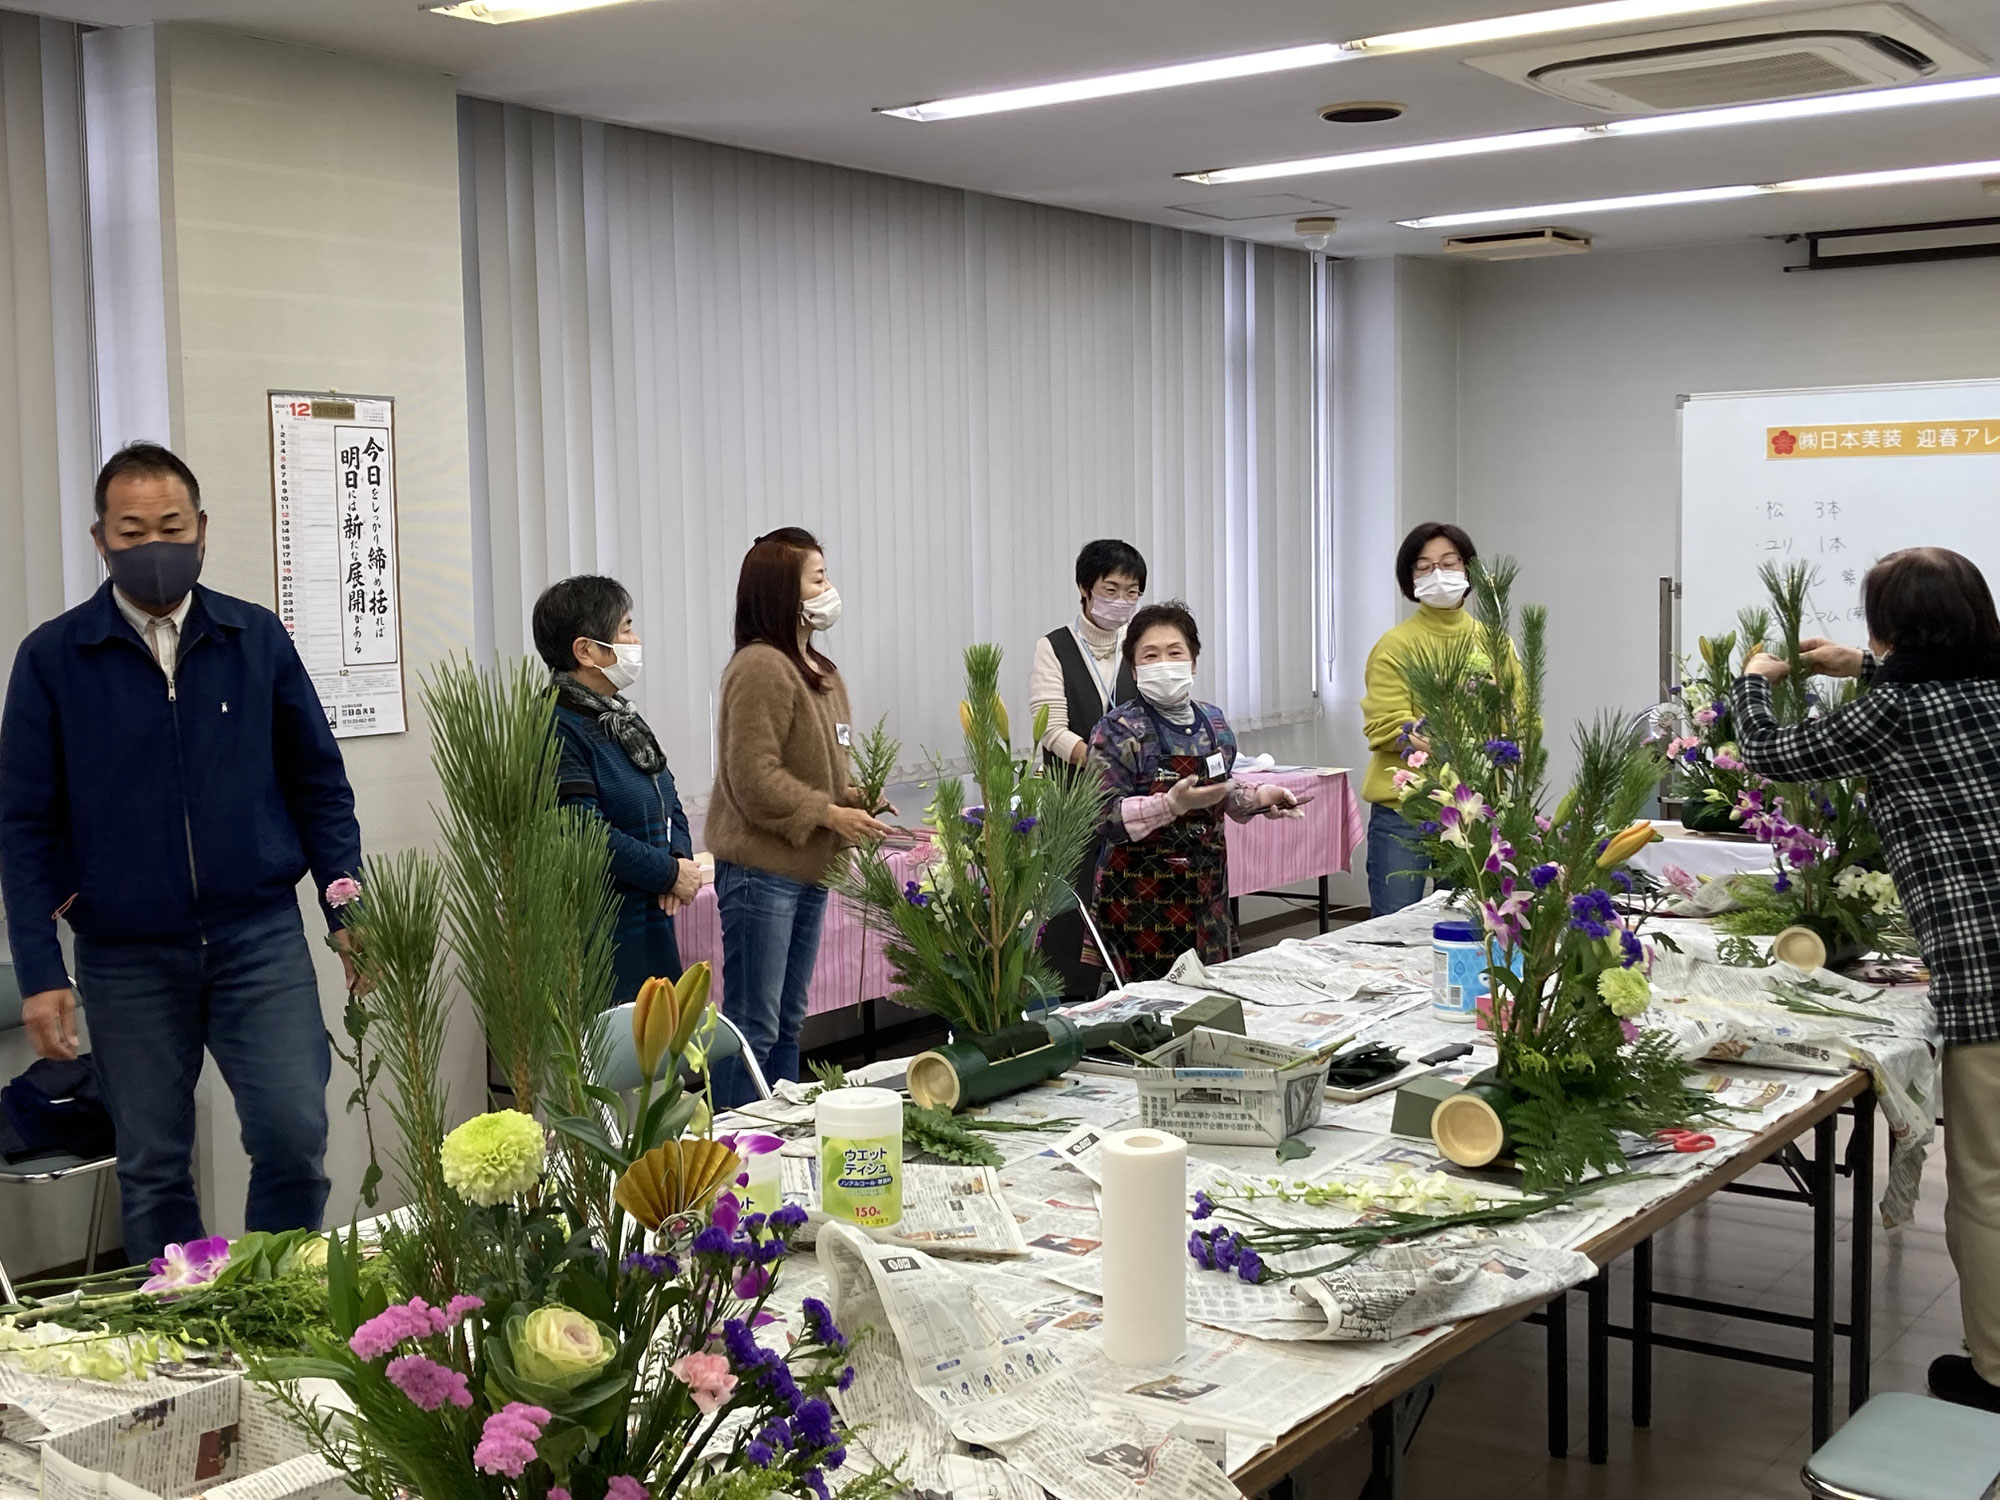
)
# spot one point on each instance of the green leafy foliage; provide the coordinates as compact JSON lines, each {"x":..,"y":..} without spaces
{"x":874,"y":756}
{"x":936,"y":1133}
{"x":961,"y":941}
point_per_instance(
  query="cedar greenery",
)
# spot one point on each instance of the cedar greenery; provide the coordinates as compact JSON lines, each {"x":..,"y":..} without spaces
{"x":874,"y":757}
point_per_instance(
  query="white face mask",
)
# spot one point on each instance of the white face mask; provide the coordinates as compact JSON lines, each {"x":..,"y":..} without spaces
{"x":1441,"y":588}
{"x":1165,"y":684}
{"x":822,"y":611}
{"x":623,"y":672}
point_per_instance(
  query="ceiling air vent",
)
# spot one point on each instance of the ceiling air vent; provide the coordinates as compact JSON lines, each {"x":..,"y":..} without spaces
{"x":1794,"y":56}
{"x":1518,"y":244}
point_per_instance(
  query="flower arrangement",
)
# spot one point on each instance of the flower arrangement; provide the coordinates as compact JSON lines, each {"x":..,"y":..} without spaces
{"x":1705,"y":770}
{"x":962,"y":940}
{"x":1567,"y":973}
{"x":1827,"y":863}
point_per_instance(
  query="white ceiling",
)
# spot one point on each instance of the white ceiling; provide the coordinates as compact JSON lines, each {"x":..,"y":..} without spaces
{"x":801,"y":77}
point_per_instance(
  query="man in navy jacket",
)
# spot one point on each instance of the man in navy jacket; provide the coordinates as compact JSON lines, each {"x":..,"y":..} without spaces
{"x":167,"y":776}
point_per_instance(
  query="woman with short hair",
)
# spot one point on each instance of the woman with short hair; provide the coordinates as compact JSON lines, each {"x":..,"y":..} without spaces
{"x":1926,"y":734}
{"x":1431,"y":571}
{"x":611,"y":765}
{"x":1166,"y":760}
{"x":784,"y":805}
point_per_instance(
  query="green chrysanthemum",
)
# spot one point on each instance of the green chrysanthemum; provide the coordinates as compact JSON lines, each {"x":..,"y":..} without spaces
{"x":493,"y":1157}
{"x":1625,"y":991}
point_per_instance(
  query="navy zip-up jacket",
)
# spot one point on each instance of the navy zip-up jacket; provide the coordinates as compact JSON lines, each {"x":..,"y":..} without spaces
{"x":143,"y":811}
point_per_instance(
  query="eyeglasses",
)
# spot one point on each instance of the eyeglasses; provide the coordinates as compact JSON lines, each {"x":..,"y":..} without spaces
{"x":1110,"y":592}
{"x":1451,"y":560}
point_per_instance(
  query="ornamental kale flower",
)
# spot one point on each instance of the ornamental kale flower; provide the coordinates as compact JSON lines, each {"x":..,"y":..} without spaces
{"x":1544,"y":875}
{"x":493,"y":1157}
{"x":1203,"y":1205}
{"x":915,"y":894}
{"x":507,"y":1441}
{"x":428,"y":1384}
{"x":820,"y":1327}
{"x":558,"y":1347}
{"x":1591,"y":913}
{"x":1503,"y":752}
{"x":1250,"y":1265}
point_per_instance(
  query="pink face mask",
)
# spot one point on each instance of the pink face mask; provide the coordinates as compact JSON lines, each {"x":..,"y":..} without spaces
{"x":1111,"y":613}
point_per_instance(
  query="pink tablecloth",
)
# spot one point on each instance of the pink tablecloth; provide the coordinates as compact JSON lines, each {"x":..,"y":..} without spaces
{"x":1267,"y":854}
{"x":851,"y":967}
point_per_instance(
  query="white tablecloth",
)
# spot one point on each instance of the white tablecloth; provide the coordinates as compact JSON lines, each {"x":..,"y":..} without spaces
{"x":1702,"y":854}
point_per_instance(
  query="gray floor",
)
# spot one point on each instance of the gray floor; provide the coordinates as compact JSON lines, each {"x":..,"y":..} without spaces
{"x":1721,"y":1430}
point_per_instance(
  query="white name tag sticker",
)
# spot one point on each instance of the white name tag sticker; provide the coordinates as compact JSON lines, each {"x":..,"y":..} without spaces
{"x":843,"y":736}
{"x":1217,"y":766}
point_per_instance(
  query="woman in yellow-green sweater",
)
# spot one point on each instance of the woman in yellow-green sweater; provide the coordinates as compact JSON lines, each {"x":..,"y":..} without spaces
{"x":1431,"y":570}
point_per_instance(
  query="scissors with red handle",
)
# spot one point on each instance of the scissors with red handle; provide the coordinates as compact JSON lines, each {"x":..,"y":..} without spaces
{"x":1685,"y":1140}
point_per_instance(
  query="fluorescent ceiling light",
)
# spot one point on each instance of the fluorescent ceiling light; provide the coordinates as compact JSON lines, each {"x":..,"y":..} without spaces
{"x":1699,"y":119}
{"x":1891,"y":178}
{"x":503,"y":12}
{"x":1286,"y":59}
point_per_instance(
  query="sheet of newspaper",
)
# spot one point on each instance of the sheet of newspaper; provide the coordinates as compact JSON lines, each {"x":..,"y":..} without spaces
{"x":948,"y":1209}
{"x":951,"y":1372}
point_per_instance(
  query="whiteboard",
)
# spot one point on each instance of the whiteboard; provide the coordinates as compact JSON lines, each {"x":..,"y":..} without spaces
{"x":333,"y":497}
{"x":1835,"y":478}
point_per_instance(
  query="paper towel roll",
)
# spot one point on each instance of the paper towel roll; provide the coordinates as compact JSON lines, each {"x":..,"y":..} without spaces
{"x":1144,"y":1175}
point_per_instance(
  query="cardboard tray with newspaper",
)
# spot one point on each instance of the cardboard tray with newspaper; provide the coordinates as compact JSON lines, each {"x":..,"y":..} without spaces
{"x":1218,"y":1089}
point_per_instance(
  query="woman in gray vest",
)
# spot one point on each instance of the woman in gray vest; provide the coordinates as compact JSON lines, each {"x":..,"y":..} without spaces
{"x":1079,"y":675}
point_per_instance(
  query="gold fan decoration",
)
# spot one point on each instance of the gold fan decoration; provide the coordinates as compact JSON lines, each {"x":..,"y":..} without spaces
{"x":674,"y":1179}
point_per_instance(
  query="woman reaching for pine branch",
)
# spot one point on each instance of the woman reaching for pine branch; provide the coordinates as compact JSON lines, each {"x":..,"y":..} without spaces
{"x":1926,"y":734}
{"x":1166,"y":760}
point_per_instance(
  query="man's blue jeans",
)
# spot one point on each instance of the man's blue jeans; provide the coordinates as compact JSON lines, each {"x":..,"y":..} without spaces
{"x":1397,"y":863}
{"x":252,"y":1000}
{"x":770,"y":937}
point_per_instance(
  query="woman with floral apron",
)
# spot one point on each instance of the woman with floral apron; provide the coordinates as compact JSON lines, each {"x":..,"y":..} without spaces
{"x":1166,"y":762}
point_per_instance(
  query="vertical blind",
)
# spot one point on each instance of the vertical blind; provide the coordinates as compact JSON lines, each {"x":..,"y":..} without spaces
{"x":675,"y":347}
{"x":47,"y":442}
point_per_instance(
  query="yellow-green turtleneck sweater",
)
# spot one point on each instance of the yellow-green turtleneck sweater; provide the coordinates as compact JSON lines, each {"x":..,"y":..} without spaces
{"x":1386,"y":709}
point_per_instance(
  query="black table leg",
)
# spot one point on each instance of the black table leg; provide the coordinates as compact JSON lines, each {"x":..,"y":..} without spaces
{"x":1325,"y":907}
{"x":1861,"y":1283}
{"x":868,"y":1030}
{"x":1642,"y":1334}
{"x":1825,"y":1152}
{"x":1597,"y":1299}
{"x":1558,"y":1362}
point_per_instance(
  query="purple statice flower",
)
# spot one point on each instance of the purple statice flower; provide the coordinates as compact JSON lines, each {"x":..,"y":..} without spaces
{"x":663,"y":1267}
{"x":814,"y":1421}
{"x":846,"y":1378}
{"x":834,"y":1457}
{"x":1203,"y":1205}
{"x":1632,"y":951}
{"x":1781,"y":883}
{"x":1250,"y":1265}
{"x":1591,"y":913}
{"x":415,"y":1319}
{"x":1025,"y":825}
{"x":713,"y":1240}
{"x":744,"y":1351}
{"x":758,"y":1452}
{"x":915,"y":894}
{"x":1503,"y":752}
{"x":820,"y":1327}
{"x":785,"y":1220}
{"x":816,"y":1482}
{"x":1202,"y":1252}
{"x":507,"y":1441}
{"x":1228,"y":1250}
{"x":1623,"y":881}
{"x":1427,"y":826}
{"x":1544,"y":875}
{"x":427,"y":1383}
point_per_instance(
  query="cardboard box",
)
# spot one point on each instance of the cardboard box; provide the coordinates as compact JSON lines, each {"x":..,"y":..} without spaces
{"x":1218,"y":1089}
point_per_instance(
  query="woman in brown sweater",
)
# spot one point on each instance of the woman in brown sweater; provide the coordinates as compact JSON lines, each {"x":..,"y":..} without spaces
{"x":783,"y":806}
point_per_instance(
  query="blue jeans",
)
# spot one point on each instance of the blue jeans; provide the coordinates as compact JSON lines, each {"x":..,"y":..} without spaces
{"x":252,"y":999}
{"x":1397,"y":864}
{"x":770,"y":937}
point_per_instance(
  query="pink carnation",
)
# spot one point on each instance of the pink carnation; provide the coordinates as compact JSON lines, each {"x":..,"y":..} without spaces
{"x":1679,"y":879}
{"x":427,"y":1383}
{"x":1706,"y":716}
{"x":1402,"y":778}
{"x":1416,"y":757}
{"x":507,"y":1441}
{"x":624,"y":1487}
{"x":343,"y":891}
{"x":707,"y":1375}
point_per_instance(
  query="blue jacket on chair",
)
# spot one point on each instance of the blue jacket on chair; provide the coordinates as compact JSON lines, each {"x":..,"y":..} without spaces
{"x":143,"y":811}
{"x":648,"y":834}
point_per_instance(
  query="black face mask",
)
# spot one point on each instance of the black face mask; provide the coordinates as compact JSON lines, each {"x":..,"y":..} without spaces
{"x":154,"y":575}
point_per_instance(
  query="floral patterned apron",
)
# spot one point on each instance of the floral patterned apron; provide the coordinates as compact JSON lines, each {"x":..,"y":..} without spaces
{"x":1169,"y":892}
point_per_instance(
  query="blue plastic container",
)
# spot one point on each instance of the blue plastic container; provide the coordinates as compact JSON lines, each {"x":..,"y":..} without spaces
{"x":1458,"y":971}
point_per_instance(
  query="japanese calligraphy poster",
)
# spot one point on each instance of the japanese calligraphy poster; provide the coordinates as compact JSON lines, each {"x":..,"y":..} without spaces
{"x":1834,"y":478}
{"x":333,"y":486}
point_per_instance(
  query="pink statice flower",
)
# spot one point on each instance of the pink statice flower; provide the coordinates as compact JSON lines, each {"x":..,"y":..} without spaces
{"x":707,"y":1375}
{"x":507,"y":1441}
{"x":415,"y":1319}
{"x":194,"y":1264}
{"x":625,"y":1487}
{"x":427,"y":1383}
{"x":342,"y":891}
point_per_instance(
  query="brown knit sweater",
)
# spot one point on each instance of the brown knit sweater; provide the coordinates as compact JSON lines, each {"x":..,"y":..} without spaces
{"x":779,"y":767}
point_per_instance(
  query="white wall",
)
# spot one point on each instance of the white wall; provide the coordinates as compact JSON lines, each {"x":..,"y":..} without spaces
{"x":1568,"y":454}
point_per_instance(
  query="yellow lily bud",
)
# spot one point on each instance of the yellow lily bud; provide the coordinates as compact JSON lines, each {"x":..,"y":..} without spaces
{"x":652,"y":1023}
{"x":1564,"y":808}
{"x":1707,"y":649}
{"x":691,"y":1003}
{"x":1624,"y":844}
{"x":1041,"y":724}
{"x":965,"y":716}
{"x":1000,"y":713}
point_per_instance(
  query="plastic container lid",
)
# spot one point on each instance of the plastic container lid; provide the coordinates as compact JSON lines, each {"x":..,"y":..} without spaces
{"x":857,"y":1114}
{"x":1454,"y":932}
